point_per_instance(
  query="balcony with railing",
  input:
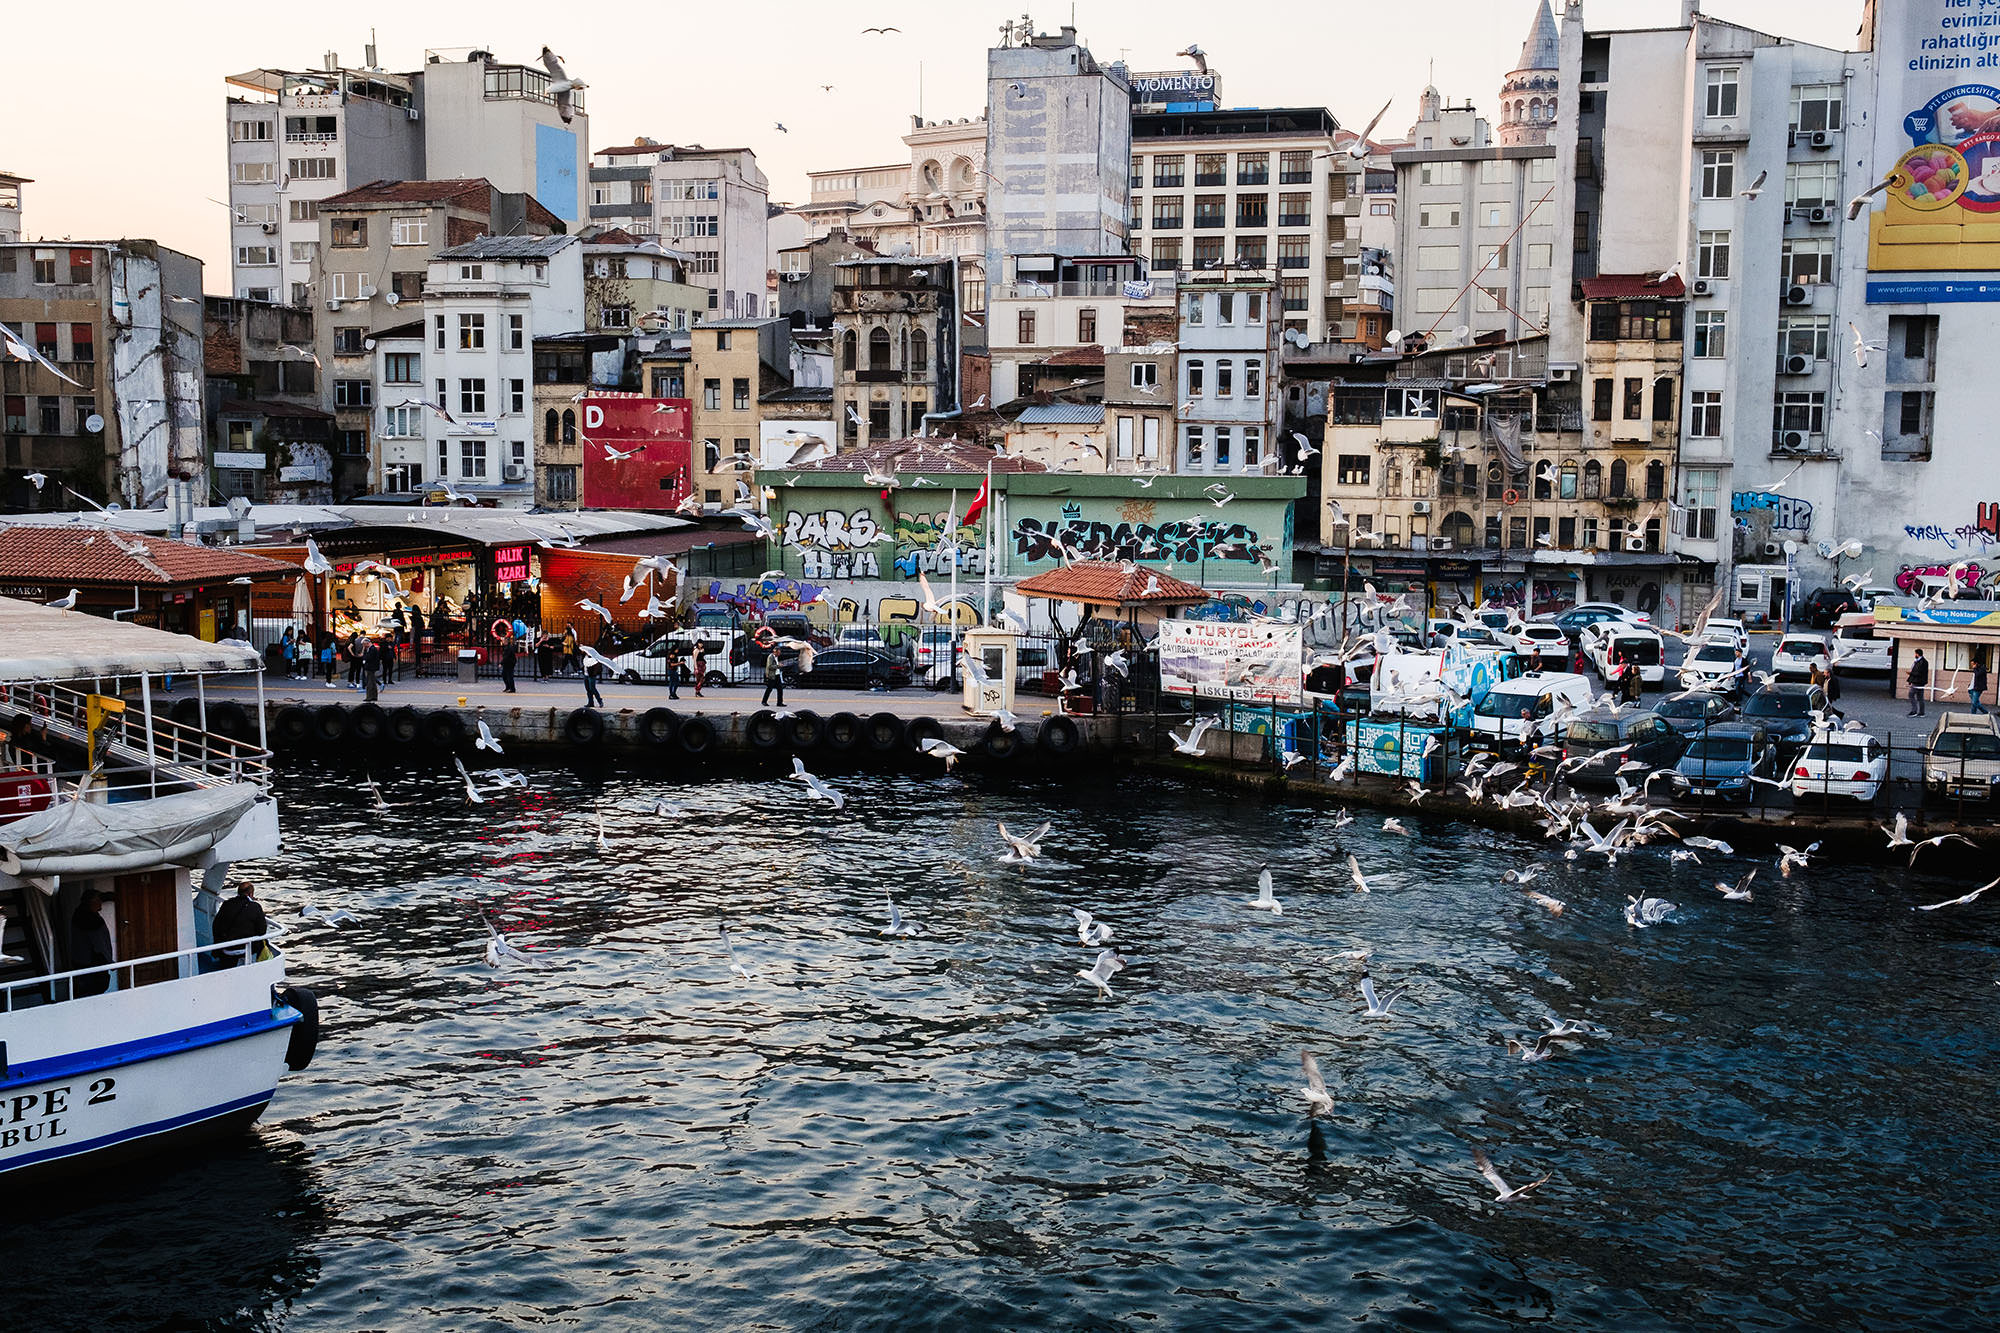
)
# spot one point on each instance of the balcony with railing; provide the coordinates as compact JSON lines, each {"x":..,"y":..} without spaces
{"x":136,"y":755}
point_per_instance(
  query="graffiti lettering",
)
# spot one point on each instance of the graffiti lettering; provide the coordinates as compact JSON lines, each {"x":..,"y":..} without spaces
{"x":1968,"y":572}
{"x":921,"y":545}
{"x":831,"y":530}
{"x":1182,"y":542}
{"x":1966,"y":534}
{"x":770,"y":594}
{"x":1786,"y":512}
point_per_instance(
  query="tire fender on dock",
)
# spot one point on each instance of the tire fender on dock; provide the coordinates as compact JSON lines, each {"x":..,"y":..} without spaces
{"x":843,"y":733}
{"x":368,"y":723}
{"x":763,"y":731}
{"x":330,"y":724}
{"x":1000,"y":744}
{"x":660,"y":727}
{"x":805,"y":730}
{"x":885,"y":733}
{"x":584,"y":726}
{"x":404,"y":726}
{"x":292,"y":726}
{"x":697,"y":735}
{"x":1059,"y":735}
{"x":444,"y":728}
{"x":921,"y":729}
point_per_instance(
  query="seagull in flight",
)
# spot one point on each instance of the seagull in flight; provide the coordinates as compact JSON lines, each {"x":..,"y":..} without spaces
{"x":1899,"y":836}
{"x":897,"y":927}
{"x":1939,"y":841}
{"x":1644,"y":912}
{"x":1859,"y":203}
{"x":1265,"y":899}
{"x":945,"y":750}
{"x":1191,"y":743}
{"x":1790,"y":857}
{"x":884,"y":31}
{"x":620,"y":455}
{"x":1862,"y":347}
{"x":1543,"y":1049}
{"x":1957,"y":902}
{"x":736,"y":965}
{"x":781,"y":127}
{"x":1354,"y":873}
{"x":1022,"y":850}
{"x":818,"y":789}
{"x":487,"y":740}
{"x":1317,"y":1100}
{"x":1377,"y":1008}
{"x":500,"y":949}
{"x":587,"y":605}
{"x":1738,"y":892}
{"x":1394,"y":825}
{"x":1099,"y":974}
{"x":1358,"y":150}
{"x":1089,"y":930}
{"x":1756,"y":187}
{"x":1506,"y":1194}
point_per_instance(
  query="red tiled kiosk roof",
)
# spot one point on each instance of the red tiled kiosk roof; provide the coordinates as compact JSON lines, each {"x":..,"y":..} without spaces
{"x":32,"y":553}
{"x":1106,"y":584}
{"x":921,"y":454}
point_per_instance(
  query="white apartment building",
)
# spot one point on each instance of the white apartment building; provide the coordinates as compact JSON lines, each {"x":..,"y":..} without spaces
{"x":485,"y":304}
{"x":1262,"y":190}
{"x":710,"y":204}
{"x":1228,"y":393}
{"x":1477,"y":228}
{"x":10,"y":205}
{"x":1056,"y":305}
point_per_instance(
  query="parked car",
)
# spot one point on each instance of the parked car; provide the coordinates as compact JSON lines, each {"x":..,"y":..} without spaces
{"x":1720,"y":763}
{"x":1962,"y":757}
{"x":861,"y":636}
{"x":1713,"y":664}
{"x":1798,"y":653}
{"x":1846,"y":764}
{"x":1728,"y":629}
{"x":1472,"y":636}
{"x":1695,"y":711}
{"x":1823,"y":607}
{"x":1580,"y":617}
{"x":1523,"y":709}
{"x":1785,"y":711}
{"x":1542,"y":640}
{"x":856,"y":666}
{"x":1859,"y":646}
{"x":728,"y":658}
{"x":1601,"y":741}
{"x":933,"y":645}
{"x":1611,"y":642}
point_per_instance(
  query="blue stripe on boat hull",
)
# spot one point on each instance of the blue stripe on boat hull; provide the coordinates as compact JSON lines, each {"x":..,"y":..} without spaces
{"x":147,"y":1048}
{"x":106,"y":1145}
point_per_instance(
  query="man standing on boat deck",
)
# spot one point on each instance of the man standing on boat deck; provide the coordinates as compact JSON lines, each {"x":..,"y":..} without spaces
{"x":90,"y":944}
{"x":241,"y":918}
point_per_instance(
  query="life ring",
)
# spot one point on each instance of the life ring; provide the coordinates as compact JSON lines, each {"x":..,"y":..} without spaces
{"x":1059,"y":736}
{"x":503,"y":629}
{"x":292,"y":725}
{"x":697,"y":735}
{"x":368,"y":723}
{"x":999,"y":743}
{"x":1512,"y":497}
{"x":304,"y":1040}
{"x":806,"y":730}
{"x":762,"y":731}
{"x":843,"y":732}
{"x":403,"y":726}
{"x":764,"y":637}
{"x":330,"y":724}
{"x":444,"y":729}
{"x":660,"y":726}
{"x":885,"y":733}
{"x":921,"y":729}
{"x":584,"y":726}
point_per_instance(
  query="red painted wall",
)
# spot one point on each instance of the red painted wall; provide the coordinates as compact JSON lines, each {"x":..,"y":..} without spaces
{"x":654,"y":480}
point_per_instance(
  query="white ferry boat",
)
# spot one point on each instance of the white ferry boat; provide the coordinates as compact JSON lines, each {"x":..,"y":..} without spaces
{"x":112,"y":812}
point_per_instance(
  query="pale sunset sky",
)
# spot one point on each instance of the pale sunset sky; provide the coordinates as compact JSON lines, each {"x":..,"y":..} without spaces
{"x":120,"y":121}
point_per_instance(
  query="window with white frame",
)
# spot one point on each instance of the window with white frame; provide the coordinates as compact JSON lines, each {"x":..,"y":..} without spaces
{"x":302,"y":210}
{"x":1145,"y":375}
{"x":1253,"y":377}
{"x":310,"y":168}
{"x":304,"y":252}
{"x":1704,"y":418}
{"x":1816,"y":106}
{"x":1813,"y":184}
{"x":1699,"y":487}
{"x":1711,"y":255}
{"x":256,"y":256}
{"x":1808,"y":259}
{"x":1722,"y":94}
{"x":472,"y":395}
{"x":1437,"y":217}
{"x":410,"y":230}
{"x":252,"y":173}
{"x":1253,"y":446}
{"x":403,"y":423}
{"x":1800,"y":412}
{"x":615,"y":317}
{"x":1437,"y":258}
{"x":1809,"y":336}
{"x":1125,"y":440}
{"x":402,"y":368}
{"x":258,"y":213}
{"x":517,"y":396}
{"x":1718,"y":174}
{"x":1225,"y":378}
{"x":471,"y":333}
{"x":1711,"y":334}
{"x":1196,"y":378}
{"x":250,"y":131}
{"x":1440,"y":173}
{"x":516,"y":332}
{"x":472,"y":459}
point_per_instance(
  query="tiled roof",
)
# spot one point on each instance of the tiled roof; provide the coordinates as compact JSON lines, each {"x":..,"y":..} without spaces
{"x":508,"y":247}
{"x":248,"y":407}
{"x":1112,"y":585}
{"x":806,"y":393}
{"x":475,"y":191}
{"x":64,"y":555}
{"x":1062,"y":414}
{"x":1633,"y":287}
{"x":923,"y":454}
{"x":630,"y":149}
{"x":1091,"y":355}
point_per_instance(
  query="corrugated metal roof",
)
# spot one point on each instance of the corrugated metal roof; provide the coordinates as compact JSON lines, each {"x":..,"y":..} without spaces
{"x":45,"y":644}
{"x":1063,"y":414}
{"x":508,"y":247}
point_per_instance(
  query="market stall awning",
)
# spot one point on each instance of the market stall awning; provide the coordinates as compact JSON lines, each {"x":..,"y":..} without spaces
{"x":1103,"y":584}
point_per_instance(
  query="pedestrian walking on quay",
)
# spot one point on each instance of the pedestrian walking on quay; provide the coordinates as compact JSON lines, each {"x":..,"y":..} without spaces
{"x":1920,"y":676}
{"x":572,"y":660}
{"x":1978,"y":684}
{"x":592,"y":696}
{"x":371,"y":669}
{"x":774,"y":678}
{"x":673,"y":671}
{"x":509,"y":650}
{"x":700,"y":666}
{"x":354,"y":659}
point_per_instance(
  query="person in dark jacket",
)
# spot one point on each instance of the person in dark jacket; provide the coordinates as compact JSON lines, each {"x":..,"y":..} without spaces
{"x":1978,"y":684}
{"x":774,"y":678}
{"x":90,"y":944}
{"x":509,"y":651}
{"x":240,"y":918}
{"x":1920,"y":676}
{"x":371,"y":669}
{"x":592,"y":696}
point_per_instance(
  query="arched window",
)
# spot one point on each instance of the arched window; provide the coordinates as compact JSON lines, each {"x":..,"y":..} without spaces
{"x":1496,"y":482}
{"x":1567,"y":490}
{"x":1593,"y":479}
{"x":847,"y":346}
{"x":569,"y":426}
{"x":550,"y":426}
{"x":878,"y":350}
{"x":1653,"y":534}
{"x":1544,"y":480}
{"x":919,"y":353}
{"x":1656,"y":480}
{"x":1457,"y":529}
{"x":1618,"y":479}
{"x":1493,"y":532}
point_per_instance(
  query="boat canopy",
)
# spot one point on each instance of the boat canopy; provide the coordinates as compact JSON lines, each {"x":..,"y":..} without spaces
{"x":89,"y":838}
{"x":40,"y":643}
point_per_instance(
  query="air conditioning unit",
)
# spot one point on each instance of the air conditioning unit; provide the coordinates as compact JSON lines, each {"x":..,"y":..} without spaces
{"x":1821,"y":139}
{"x":1562,"y":374}
{"x":413,"y":113}
{"x":514,"y":471}
{"x":333,"y":303}
{"x":1792,"y":439}
{"x":1819,"y":217}
{"x":1798,"y":365}
{"x":1440,"y":543}
{"x":269,"y":228}
{"x":1772,"y":548}
{"x":1798,"y":296}
{"x":1420,"y":507}
{"x":1701,"y":287}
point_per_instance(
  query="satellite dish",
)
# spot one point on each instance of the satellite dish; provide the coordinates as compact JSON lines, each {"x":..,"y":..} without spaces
{"x":393,"y":299}
{"x":114,"y":507}
{"x":368,"y":343}
{"x":239,"y":507}
{"x":1395,"y":336}
{"x":93,"y":423}
{"x":1791,"y":548}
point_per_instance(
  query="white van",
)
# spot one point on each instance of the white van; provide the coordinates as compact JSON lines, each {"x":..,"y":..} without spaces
{"x":1611,"y":642}
{"x":1517,"y":713}
{"x":1859,"y":646}
{"x":1398,"y":676}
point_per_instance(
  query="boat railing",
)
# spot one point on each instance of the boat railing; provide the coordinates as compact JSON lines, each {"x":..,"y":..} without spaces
{"x":173,"y":754}
{"x":58,"y":987}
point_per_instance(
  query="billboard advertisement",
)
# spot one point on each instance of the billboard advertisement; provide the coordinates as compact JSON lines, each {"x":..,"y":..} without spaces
{"x":1263,"y":663}
{"x":1937,"y":146}
{"x":637,"y":452}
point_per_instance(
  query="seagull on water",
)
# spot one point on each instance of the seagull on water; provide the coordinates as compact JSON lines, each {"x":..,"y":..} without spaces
{"x":1506,"y":1193}
{"x":898,"y":927}
{"x":736,"y":965}
{"x":1314,"y":1091}
{"x":1543,"y":1049}
{"x":1022,"y":850}
{"x":1265,"y":899}
{"x":1377,"y":1008}
{"x":1553,"y":905}
{"x":1394,"y":825}
{"x":1643,"y":912}
{"x":1099,"y":974}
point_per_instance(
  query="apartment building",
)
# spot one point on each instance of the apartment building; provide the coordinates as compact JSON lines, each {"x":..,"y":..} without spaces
{"x":1057,"y":306}
{"x":1228,"y":363}
{"x":733,"y":364}
{"x":634,"y":286}
{"x":122,"y":320}
{"x":1141,"y":372}
{"x":487,"y":303}
{"x":10,"y":205}
{"x":1257,"y":190}
{"x":268,"y":437}
{"x":1477,"y":229}
{"x":895,"y":353}
{"x":371,"y":267}
{"x":710,"y":204}
{"x":297,"y":137}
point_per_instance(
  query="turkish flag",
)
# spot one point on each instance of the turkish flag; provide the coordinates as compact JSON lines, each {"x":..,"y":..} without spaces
{"x":978,"y":505}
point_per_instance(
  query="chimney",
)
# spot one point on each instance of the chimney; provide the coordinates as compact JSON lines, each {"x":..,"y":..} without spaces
{"x":1689,"y":9}
{"x":332,"y":59}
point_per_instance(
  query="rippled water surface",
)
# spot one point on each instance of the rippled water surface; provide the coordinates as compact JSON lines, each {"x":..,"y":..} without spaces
{"x":1788,"y":1124}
